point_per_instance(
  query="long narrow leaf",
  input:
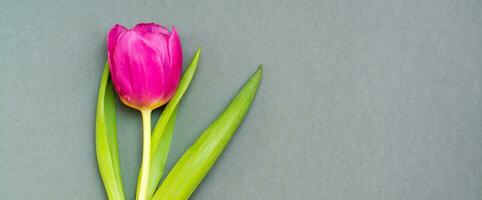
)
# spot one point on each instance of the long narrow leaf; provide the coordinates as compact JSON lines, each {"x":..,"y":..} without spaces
{"x":201,"y":156}
{"x":106,"y":139}
{"x":162,"y":134}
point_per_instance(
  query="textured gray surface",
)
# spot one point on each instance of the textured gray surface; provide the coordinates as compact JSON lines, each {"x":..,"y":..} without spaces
{"x":360,"y":99}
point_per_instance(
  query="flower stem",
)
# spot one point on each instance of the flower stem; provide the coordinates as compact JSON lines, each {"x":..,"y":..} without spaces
{"x":146,"y":155}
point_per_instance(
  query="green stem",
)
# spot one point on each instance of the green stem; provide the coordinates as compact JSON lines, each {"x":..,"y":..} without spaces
{"x":146,"y":155}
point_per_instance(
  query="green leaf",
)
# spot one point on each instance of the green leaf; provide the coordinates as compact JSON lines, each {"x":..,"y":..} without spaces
{"x":162,"y":134}
{"x":193,"y":166}
{"x":106,"y":139}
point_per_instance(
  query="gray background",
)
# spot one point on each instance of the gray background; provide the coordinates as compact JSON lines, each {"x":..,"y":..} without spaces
{"x":359,"y":100}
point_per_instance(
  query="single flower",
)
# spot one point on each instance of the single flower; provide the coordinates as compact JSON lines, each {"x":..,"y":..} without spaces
{"x":145,"y":64}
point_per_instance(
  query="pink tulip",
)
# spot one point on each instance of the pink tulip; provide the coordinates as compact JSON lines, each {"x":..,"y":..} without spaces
{"x":145,"y":64}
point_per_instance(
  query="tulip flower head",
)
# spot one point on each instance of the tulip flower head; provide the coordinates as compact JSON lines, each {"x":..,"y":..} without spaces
{"x":145,"y":63}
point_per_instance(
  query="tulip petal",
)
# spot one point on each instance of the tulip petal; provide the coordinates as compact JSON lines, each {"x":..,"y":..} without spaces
{"x":175,"y":53}
{"x":112,"y":39}
{"x":160,"y":44}
{"x":113,"y":36}
{"x":144,"y":28}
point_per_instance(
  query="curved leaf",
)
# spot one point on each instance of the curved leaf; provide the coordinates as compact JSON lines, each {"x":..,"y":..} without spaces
{"x":193,"y":166}
{"x":106,"y":139}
